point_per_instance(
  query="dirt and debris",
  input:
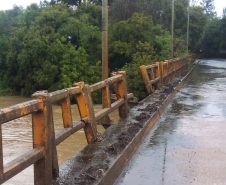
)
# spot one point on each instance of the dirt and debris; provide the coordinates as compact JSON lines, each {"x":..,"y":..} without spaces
{"x":92,"y":174}
{"x":95,"y":172}
{"x":125,"y":137}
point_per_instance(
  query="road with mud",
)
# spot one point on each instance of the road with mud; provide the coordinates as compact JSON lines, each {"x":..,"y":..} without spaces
{"x":187,"y":145}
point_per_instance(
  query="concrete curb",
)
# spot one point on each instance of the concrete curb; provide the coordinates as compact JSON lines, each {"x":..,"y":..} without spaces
{"x":95,"y":154}
{"x":116,"y":169}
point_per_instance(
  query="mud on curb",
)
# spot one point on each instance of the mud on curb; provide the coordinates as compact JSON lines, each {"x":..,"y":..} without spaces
{"x":102,"y":163}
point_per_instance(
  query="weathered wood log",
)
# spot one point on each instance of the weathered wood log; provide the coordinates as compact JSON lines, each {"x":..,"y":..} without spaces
{"x":42,"y":130}
{"x":85,"y":105}
{"x":19,"y":110}
{"x":146,"y":79}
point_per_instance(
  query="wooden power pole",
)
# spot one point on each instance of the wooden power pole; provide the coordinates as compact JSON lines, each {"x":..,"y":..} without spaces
{"x":172,"y":30}
{"x":105,"y":39}
{"x":105,"y":92}
{"x":188,"y":25}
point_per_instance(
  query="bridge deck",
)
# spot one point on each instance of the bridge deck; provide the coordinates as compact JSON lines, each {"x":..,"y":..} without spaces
{"x":187,"y":145}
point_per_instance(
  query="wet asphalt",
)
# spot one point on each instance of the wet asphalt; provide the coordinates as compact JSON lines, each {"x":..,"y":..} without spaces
{"x":188,"y":144}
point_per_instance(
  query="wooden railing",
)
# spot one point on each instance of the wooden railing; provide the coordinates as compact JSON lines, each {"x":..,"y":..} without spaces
{"x":163,"y":72}
{"x":44,"y":153}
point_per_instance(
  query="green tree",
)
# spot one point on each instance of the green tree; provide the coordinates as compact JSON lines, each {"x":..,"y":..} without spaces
{"x":136,"y":42}
{"x":124,"y":9}
{"x":196,"y":27}
{"x":69,"y":2}
{"x":211,"y":39}
{"x":208,"y":7}
{"x":41,"y":57}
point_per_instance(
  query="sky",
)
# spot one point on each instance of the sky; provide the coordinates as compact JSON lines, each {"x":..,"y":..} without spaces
{"x":8,"y":4}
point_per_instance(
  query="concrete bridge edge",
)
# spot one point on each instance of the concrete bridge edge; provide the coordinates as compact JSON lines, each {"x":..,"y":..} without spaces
{"x":113,"y":173}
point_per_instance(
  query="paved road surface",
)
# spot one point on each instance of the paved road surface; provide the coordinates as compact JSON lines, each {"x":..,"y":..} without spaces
{"x":188,"y":144}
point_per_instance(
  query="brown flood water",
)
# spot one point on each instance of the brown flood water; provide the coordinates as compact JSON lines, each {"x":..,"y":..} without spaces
{"x":17,"y":137}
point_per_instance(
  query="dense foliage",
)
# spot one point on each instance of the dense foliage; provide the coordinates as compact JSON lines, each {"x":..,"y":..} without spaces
{"x":57,"y":43}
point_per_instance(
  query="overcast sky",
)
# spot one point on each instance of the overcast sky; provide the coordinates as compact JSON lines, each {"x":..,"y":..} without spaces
{"x":8,"y":4}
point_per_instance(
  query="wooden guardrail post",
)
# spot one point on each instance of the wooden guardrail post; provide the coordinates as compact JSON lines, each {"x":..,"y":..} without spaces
{"x":106,"y":103}
{"x":167,"y":71}
{"x":161,"y":64}
{"x":121,"y":92}
{"x":174,"y":68}
{"x":66,"y":112}
{"x":146,"y":78}
{"x":42,"y":130}
{"x":178,"y":66}
{"x":158,"y":75}
{"x":85,"y":105}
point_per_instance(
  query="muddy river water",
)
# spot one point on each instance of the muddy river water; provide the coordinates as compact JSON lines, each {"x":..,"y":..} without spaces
{"x":17,"y":137}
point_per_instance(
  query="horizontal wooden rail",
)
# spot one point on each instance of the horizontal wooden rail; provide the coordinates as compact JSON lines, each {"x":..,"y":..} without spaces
{"x":19,"y":164}
{"x":66,"y":132}
{"x":61,"y":94}
{"x":19,"y":110}
{"x":151,"y":66}
{"x":114,"y":79}
{"x":129,"y":96}
{"x":105,"y":83}
{"x":104,"y":112}
{"x":97,"y":86}
{"x":155,"y":81}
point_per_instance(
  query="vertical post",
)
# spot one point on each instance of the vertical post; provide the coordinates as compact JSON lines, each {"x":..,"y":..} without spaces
{"x":41,"y":126}
{"x":55,"y":165}
{"x":161,"y":71}
{"x":172,"y":30}
{"x":164,"y":73}
{"x":106,"y":103}
{"x":106,"y":119}
{"x":170,"y":71}
{"x":188,"y":25}
{"x":167,"y":71}
{"x":122,"y":93}
{"x":104,"y":48}
{"x":85,"y":105}
{"x":158,"y":75}
{"x":174,"y":68}
{"x":152,"y":78}
{"x":105,"y":39}
{"x":66,"y":112}
{"x":1,"y":157}
{"x":152,"y":74}
{"x":107,"y":97}
{"x":146,"y":79}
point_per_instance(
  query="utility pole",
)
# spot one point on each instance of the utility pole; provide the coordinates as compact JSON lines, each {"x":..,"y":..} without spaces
{"x":105,"y":104}
{"x":172,"y":30}
{"x":104,"y":39}
{"x":188,"y":24}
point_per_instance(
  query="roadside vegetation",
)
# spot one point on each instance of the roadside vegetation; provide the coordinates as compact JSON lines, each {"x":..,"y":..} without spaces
{"x":55,"y":44}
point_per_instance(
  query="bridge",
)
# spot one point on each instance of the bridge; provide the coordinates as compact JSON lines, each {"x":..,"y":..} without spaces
{"x":108,"y":153}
